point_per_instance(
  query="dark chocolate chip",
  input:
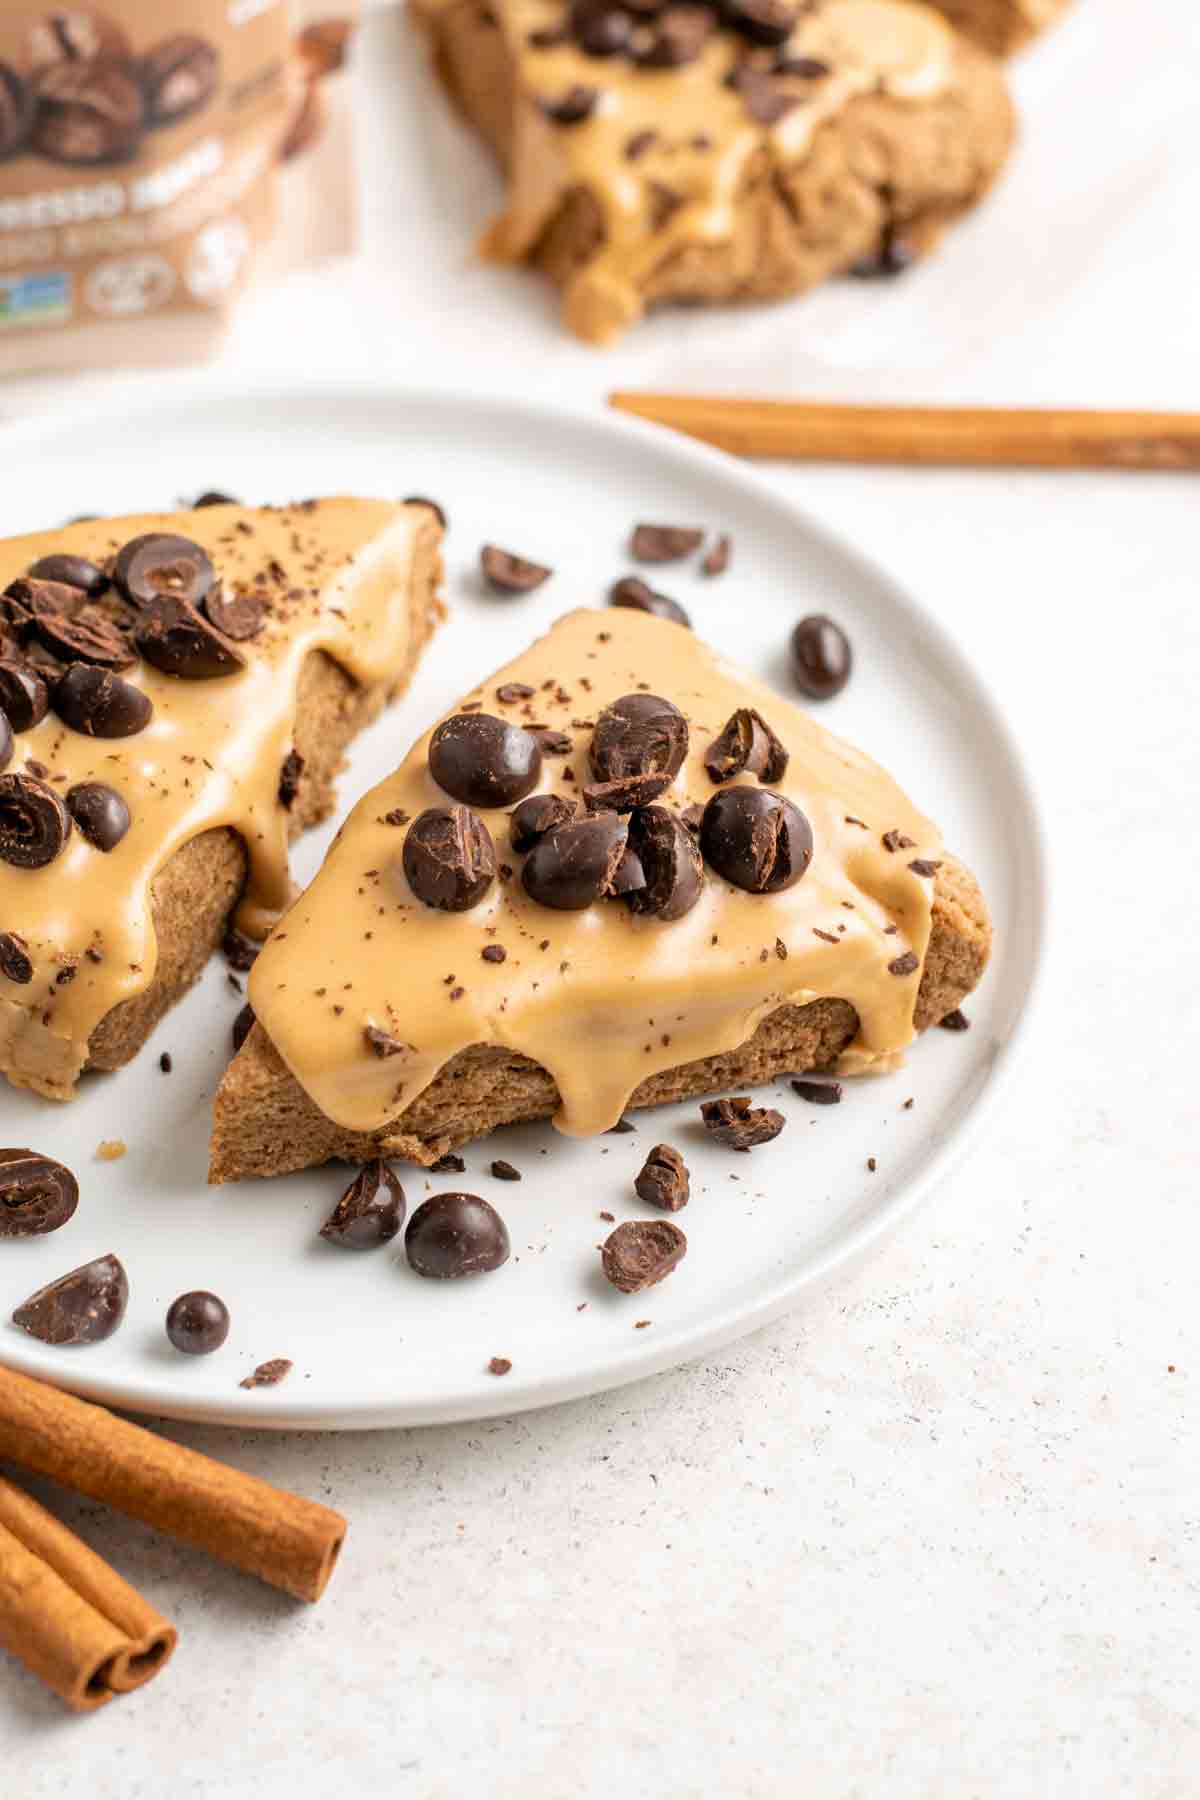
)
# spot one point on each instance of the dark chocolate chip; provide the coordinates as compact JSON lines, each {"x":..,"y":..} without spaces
{"x":24,"y":696}
{"x":160,"y":565}
{"x":512,"y":691}
{"x":237,"y":616}
{"x":819,"y":1093}
{"x":37,"y":1194}
{"x":178,"y":640}
{"x":662,"y":1180}
{"x":213,"y":497}
{"x":636,"y":595}
{"x":908,"y":964}
{"x":768,"y":22}
{"x":291,"y":769}
{"x":821,"y":657}
{"x":639,"y":734}
{"x":242,"y":1026}
{"x":198,"y":1323}
{"x":756,"y":839}
{"x":626,"y":793}
{"x":671,"y":863}
{"x":955,"y":1021}
{"x":504,"y":1171}
{"x":484,"y":761}
{"x":509,"y":573}
{"x":268,"y":1374}
{"x":369,"y":1213}
{"x":554,"y":743}
{"x":717,"y":557}
{"x":537,"y":815}
{"x":241,"y":952}
{"x":88,"y":113}
{"x":576,"y":864}
{"x":17,"y":108}
{"x":747,"y":745}
{"x":664,"y":543}
{"x":34,"y":823}
{"x":439,"y":512}
{"x":738,"y":1124}
{"x":70,"y":571}
{"x":82,"y":1307}
{"x":452,"y":1235}
{"x":640,"y":1253}
{"x":15,"y":963}
{"x":572,"y":107}
{"x":897,"y":840}
{"x":179,"y":78}
{"x":449,"y":858}
{"x":100,"y":813}
{"x":100,"y":704}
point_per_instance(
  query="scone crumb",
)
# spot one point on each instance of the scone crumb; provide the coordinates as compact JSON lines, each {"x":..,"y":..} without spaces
{"x":111,"y":1149}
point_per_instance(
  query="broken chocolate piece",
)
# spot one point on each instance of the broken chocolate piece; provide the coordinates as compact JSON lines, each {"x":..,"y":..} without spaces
{"x":504,"y":1171}
{"x":908,"y":964}
{"x":24,"y":696}
{"x":535,"y":816}
{"x":746,"y":744}
{"x":664,"y":543}
{"x":242,"y":1026}
{"x":268,"y":1374}
{"x":15,"y":964}
{"x":638,"y":596}
{"x":672,"y":867}
{"x":738,"y":1124}
{"x":83,"y":1307}
{"x":382,"y":1042}
{"x":955,"y":1021}
{"x":663,"y":1180}
{"x":624,"y":795}
{"x":70,"y":571}
{"x":369,"y":1213}
{"x":236,"y":616}
{"x":756,"y":839}
{"x":509,"y":573}
{"x":289,"y":778}
{"x":639,"y":734}
{"x":449,"y":858}
{"x":34,"y":823}
{"x":37,"y":1194}
{"x":177,"y":640}
{"x":817,"y":1091}
{"x":641,"y":1253}
{"x":576,"y":864}
{"x":717,"y":557}
{"x":100,"y":813}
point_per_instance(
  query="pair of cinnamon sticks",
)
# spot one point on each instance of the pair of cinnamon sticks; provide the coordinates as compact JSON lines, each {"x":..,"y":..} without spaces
{"x":69,"y":1617}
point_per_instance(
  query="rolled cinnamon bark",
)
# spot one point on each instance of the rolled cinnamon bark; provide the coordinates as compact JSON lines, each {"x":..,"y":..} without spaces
{"x":285,"y":1540}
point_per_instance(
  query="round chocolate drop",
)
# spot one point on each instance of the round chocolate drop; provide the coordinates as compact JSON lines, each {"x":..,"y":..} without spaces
{"x":198,"y":1322}
{"x":177,"y":640}
{"x":637,"y":595}
{"x":756,"y":839}
{"x":456,"y":1234}
{"x":84,"y":1306}
{"x":161,"y":566}
{"x":72,"y":571}
{"x":639,"y":734}
{"x":34,"y":823}
{"x":24,"y":696}
{"x":449,"y":858}
{"x":100,"y":704}
{"x":484,"y":761}
{"x":100,"y":813}
{"x":37,"y":1194}
{"x":821,"y":657}
{"x":577,"y":863}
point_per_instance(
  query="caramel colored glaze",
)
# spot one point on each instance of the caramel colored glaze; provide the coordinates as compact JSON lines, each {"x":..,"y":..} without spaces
{"x":337,"y":579}
{"x":704,"y":135}
{"x":600,"y":998}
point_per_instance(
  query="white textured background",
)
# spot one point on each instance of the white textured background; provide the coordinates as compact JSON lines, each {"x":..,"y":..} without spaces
{"x":937,"y":1535}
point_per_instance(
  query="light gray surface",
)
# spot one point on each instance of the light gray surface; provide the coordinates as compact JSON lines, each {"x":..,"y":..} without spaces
{"x":937,"y":1535}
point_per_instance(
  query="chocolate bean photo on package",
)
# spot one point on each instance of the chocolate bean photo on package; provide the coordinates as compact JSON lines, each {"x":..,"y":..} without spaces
{"x":156,"y":160}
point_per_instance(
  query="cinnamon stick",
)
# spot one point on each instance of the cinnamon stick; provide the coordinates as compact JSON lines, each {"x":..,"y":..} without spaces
{"x":947,"y":436}
{"x":283,"y":1539}
{"x":67,"y":1615}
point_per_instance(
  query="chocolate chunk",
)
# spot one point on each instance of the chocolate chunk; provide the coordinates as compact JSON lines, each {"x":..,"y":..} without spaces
{"x":241,"y":952}
{"x":717,"y":557}
{"x":179,"y":78}
{"x":512,"y":691}
{"x":820,"y":1093}
{"x":369,"y":1213}
{"x":237,"y":616}
{"x":82,"y":637}
{"x":449,"y":858}
{"x":662,"y":1180}
{"x":100,"y":813}
{"x":756,"y":839}
{"x":664,"y":543}
{"x":76,"y":34}
{"x":15,"y":964}
{"x":764,"y":99}
{"x":494,"y":953}
{"x":17,"y":107}
{"x":162,"y":566}
{"x":24,"y":696}
{"x":6,"y":741}
{"x":212,"y":497}
{"x":897,"y":840}
{"x":509,"y":573}
{"x":242,"y":1026}
{"x":746,"y":745}
{"x":672,"y":866}
{"x":383,"y":1043}
{"x":676,"y":37}
{"x":483,"y":760}
{"x":452,"y":1235}
{"x":88,"y":113}
{"x":640,"y":1253}
{"x":268,"y":1374}
{"x":575,"y":864}
{"x":504,"y":1171}
{"x":601,"y":30}
{"x":908,"y":964}
{"x":637,"y":596}
{"x":955,"y":1021}
{"x":100,"y":704}
{"x":629,"y":877}
{"x":738,"y":1124}
{"x":821,"y":657}
{"x":37,"y":1194}
{"x":537,"y":815}
{"x":768,"y":22}
{"x":921,"y":865}
{"x":177,"y":640}
{"x":198,"y":1323}
{"x":554,"y":743}
{"x":439,"y":512}
{"x":449,"y":1164}
{"x":70,"y":571}
{"x":807,"y":68}
{"x":34,"y":823}
{"x":641,"y":141}
{"x":893,"y":256}
{"x":82,"y":1307}
{"x":639,"y":734}
{"x":623,"y":795}
{"x":291,"y":769}
{"x":572,"y":107}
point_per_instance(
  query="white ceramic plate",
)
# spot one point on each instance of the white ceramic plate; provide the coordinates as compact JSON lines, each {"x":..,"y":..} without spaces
{"x":373,"y":1344}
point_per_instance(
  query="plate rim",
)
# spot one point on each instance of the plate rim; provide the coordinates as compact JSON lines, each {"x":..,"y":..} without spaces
{"x":147,"y":393}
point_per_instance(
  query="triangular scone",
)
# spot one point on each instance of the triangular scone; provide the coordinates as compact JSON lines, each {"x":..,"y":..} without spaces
{"x":199,"y":752}
{"x":700,"y":154}
{"x":389,"y":1026}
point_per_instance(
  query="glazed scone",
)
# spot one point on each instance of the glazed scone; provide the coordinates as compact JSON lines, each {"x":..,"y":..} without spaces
{"x":387,"y":1025}
{"x":657,"y":156}
{"x":1002,"y":26}
{"x":164,"y":753}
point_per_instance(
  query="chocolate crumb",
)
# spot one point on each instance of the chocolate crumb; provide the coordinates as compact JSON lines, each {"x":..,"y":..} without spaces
{"x":921,"y":865}
{"x":268,"y":1374}
{"x":165,"y":1063}
{"x":820,"y":1093}
{"x":641,"y":1253}
{"x":504,"y":1171}
{"x":955,"y":1021}
{"x":499,"y":1365}
{"x":739,"y":1125}
{"x":908,"y":1104}
{"x":907,"y":964}
{"x":382,"y":1042}
{"x":622,"y":1126}
{"x":716,"y":559}
{"x":450,"y":1164}
{"x":872,"y":1165}
{"x":289,"y":778}
{"x":609,"y":1218}
{"x":493,"y":953}
{"x":663,"y":1179}
{"x":896,"y":840}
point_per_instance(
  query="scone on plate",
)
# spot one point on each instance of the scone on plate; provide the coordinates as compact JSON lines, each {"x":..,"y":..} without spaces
{"x":1002,"y":26}
{"x":619,"y":874}
{"x":692,"y":154}
{"x":176,"y":693}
